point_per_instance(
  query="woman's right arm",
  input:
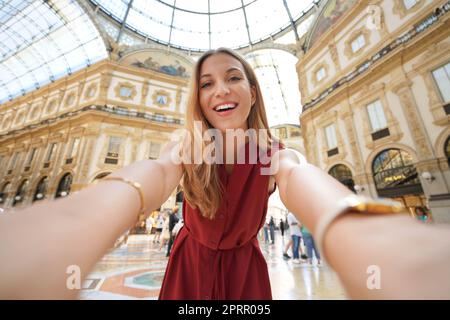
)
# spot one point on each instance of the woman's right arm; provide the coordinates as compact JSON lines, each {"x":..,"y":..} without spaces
{"x":40,"y":244}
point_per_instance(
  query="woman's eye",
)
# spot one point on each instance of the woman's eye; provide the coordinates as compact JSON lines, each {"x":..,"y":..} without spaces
{"x":235,"y":78}
{"x":205,"y":85}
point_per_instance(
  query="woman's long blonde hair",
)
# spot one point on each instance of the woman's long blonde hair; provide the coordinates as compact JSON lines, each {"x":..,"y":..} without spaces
{"x":201,"y":182}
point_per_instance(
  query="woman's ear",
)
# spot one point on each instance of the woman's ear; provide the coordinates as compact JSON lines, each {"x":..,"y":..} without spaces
{"x":253,"y":93}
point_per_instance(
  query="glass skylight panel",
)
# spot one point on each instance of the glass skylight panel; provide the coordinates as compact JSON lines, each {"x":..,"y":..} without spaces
{"x":221,"y":6}
{"x":27,"y":81}
{"x":265,"y":17}
{"x":228,"y":30}
{"x":304,"y":26}
{"x":15,"y":65}
{"x":42,"y":46}
{"x":189,"y":29}
{"x":297,"y":8}
{"x":26,"y":26}
{"x":12,"y":88}
{"x":108,"y":26}
{"x":8,"y":46}
{"x":12,"y":8}
{"x":282,"y":101}
{"x":151,"y":18}
{"x":194,"y":6}
{"x":42,"y":73}
{"x":117,"y":7}
{"x":58,"y":66}
{"x":7,"y":75}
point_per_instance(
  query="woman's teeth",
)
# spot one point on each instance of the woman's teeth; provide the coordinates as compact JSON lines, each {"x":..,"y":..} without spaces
{"x":224,"y":107}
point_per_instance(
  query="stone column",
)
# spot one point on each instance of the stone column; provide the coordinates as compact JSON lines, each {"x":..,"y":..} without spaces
{"x":436,"y":189}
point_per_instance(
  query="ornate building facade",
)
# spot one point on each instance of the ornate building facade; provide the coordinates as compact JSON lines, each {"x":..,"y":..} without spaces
{"x":290,"y":135}
{"x":62,"y":137}
{"x":375,"y":84}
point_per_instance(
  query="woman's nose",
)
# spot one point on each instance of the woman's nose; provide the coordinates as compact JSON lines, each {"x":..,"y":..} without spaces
{"x":222,"y":89}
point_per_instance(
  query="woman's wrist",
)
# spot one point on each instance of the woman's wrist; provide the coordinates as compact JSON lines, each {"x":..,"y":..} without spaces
{"x":149,"y":174}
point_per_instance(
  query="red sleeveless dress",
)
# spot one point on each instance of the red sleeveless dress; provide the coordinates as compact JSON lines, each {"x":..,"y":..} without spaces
{"x":221,"y":258}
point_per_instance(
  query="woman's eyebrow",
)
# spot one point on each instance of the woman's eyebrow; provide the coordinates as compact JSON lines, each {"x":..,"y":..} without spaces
{"x":228,"y":71}
{"x":233,"y":69}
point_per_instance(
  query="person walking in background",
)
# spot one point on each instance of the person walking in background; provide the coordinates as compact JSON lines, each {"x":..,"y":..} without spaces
{"x":310,"y":245}
{"x":173,"y":220}
{"x":295,"y":235}
{"x":286,"y":248}
{"x":282,"y":227}
{"x":159,"y":227}
{"x":165,"y":234}
{"x":149,"y":225}
{"x":266,"y":232}
{"x":272,"y":230}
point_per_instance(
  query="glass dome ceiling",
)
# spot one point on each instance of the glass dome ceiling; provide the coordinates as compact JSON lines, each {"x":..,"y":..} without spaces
{"x":42,"y":41}
{"x":205,"y":24}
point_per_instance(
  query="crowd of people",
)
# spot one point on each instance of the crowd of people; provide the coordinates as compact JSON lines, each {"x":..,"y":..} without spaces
{"x":300,"y":241}
{"x":162,"y":226}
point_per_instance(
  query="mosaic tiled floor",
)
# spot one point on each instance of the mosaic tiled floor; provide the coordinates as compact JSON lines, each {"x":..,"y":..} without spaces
{"x":136,"y":271}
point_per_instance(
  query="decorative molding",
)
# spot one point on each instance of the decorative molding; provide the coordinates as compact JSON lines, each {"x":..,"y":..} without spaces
{"x":400,"y":10}
{"x":145,"y":87}
{"x":51,"y":106}
{"x":126,"y":85}
{"x":436,"y":56}
{"x":335,"y":56}
{"x":377,"y":92}
{"x":91,"y":91}
{"x":316,"y":82}
{"x":70,"y":99}
{"x":409,"y":105}
{"x":326,"y":119}
{"x":161,"y":98}
{"x":178,"y":99}
{"x":347,"y":117}
{"x":348,"y":51}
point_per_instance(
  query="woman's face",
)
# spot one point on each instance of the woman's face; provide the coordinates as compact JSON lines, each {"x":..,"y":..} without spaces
{"x":225,"y":94}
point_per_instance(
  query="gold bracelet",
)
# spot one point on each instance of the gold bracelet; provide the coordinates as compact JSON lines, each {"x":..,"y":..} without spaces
{"x":137,"y":186}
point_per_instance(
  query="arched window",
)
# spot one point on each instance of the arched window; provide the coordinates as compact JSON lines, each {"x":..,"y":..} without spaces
{"x":343,"y":174}
{"x":41,"y":189}
{"x":447,"y":150}
{"x":20,"y":193}
{"x":4,"y":193}
{"x":64,"y":186}
{"x":395,"y":174}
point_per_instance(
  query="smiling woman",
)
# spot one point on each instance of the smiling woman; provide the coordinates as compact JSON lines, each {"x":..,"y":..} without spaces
{"x":222,"y":78}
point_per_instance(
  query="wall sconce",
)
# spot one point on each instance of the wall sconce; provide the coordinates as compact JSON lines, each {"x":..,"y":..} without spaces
{"x":358,"y":188}
{"x":427,"y":176}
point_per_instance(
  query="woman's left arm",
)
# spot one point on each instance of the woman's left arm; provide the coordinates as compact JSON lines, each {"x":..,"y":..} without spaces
{"x":400,"y":248}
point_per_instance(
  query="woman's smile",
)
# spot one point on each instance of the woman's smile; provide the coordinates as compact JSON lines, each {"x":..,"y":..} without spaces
{"x":225,"y":109}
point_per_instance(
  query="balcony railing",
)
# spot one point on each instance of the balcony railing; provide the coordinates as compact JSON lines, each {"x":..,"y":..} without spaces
{"x":108,"y":109}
